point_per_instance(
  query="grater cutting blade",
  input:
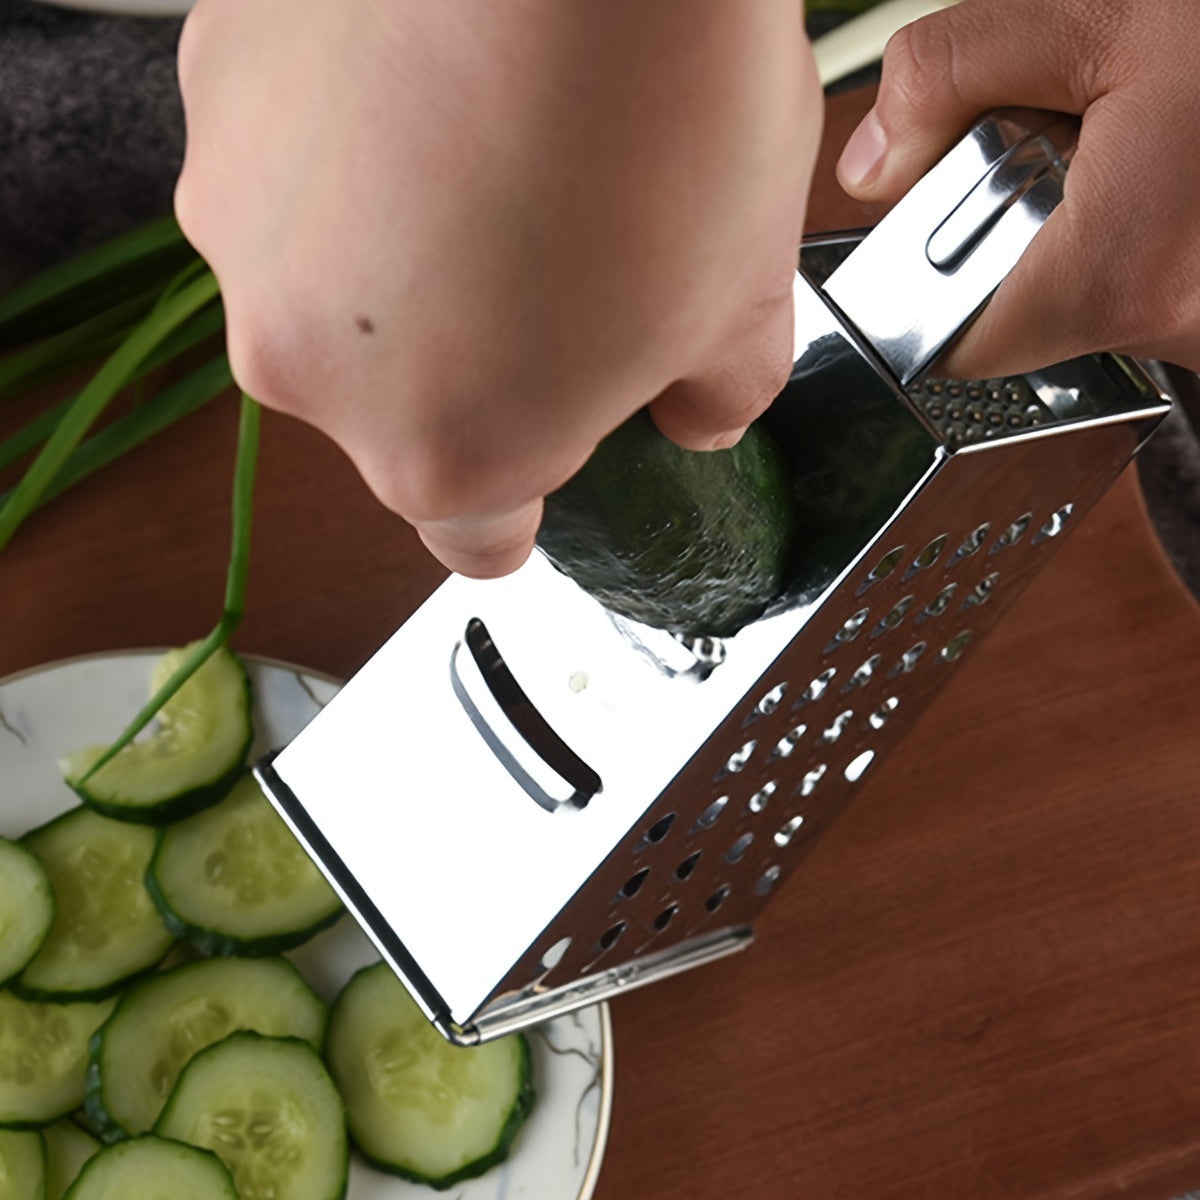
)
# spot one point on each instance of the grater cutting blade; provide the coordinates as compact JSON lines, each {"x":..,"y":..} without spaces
{"x":531,"y":804}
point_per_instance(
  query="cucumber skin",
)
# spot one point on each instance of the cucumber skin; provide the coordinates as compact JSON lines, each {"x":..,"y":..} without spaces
{"x":101,"y":1122}
{"x":522,"y":1107}
{"x":214,"y":944}
{"x":183,"y":804}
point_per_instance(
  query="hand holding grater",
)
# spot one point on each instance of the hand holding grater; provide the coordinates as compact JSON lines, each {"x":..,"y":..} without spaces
{"x":531,"y":804}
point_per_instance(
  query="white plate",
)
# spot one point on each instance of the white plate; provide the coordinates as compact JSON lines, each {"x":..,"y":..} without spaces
{"x":50,"y":710}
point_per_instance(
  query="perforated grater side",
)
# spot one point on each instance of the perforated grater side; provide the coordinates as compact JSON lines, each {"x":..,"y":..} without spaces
{"x":530,"y":804}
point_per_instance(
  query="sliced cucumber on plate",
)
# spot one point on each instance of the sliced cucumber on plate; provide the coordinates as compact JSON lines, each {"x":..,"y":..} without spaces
{"x":26,"y":907}
{"x":68,"y":1147}
{"x":152,"y":1168}
{"x":22,"y":1165}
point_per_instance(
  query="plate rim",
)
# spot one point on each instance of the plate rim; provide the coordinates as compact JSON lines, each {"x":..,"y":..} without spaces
{"x":591,"y":1174}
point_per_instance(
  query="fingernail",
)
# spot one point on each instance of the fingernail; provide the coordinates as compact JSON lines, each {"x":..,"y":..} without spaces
{"x":862,"y":159}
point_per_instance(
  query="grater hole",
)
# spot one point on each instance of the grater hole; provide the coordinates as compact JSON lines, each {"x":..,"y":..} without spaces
{"x":737,"y":851}
{"x":838,"y":726}
{"x":554,"y":955}
{"x":939,"y":603}
{"x":808,"y":784}
{"x":659,"y":830}
{"x":610,"y":936}
{"x":878,"y":719}
{"x":737,"y":760}
{"x":762,"y":797}
{"x":770,"y":702}
{"x":862,"y":676}
{"x":983,"y":589}
{"x":953,"y":649}
{"x":858,"y":766}
{"x":633,"y":884}
{"x":909,"y":659}
{"x":1054,"y":526}
{"x":928,"y":556}
{"x":664,"y":918}
{"x":789,"y":741}
{"x":767,"y":881}
{"x":893,"y":617}
{"x":972,"y":543}
{"x":1013,"y":534}
{"x":785,"y":833}
{"x":883,"y":568}
{"x":708,"y":818}
{"x":717,"y":898}
{"x":816,"y":689}
{"x":850,"y":629}
{"x":685,"y":868}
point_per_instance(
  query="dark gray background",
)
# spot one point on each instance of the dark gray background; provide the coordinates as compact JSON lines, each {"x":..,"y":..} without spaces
{"x":91,"y":138}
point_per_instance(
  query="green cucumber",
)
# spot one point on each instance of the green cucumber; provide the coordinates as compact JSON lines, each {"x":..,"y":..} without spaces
{"x":268,"y":1109}
{"x":234,"y":880}
{"x":418,"y":1106}
{"x":195,"y":754}
{"x":106,"y":929}
{"x":153,"y":1168}
{"x":43,"y":1057}
{"x":163,"y":1022}
{"x":67,"y":1148}
{"x":26,"y":907}
{"x":22,"y":1165}
{"x":697,"y":543}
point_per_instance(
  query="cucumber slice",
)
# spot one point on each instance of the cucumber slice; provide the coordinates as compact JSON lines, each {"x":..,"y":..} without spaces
{"x":22,"y":1165}
{"x":67,"y":1148}
{"x":106,"y":928}
{"x":26,"y":907}
{"x":192,"y":758}
{"x":416,"y":1105}
{"x":268,"y":1109}
{"x":234,"y":880}
{"x":43,"y":1057}
{"x":156,"y":1029}
{"x":153,"y":1168}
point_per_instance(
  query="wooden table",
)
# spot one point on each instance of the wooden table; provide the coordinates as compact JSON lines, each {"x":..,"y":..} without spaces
{"x":986,"y":981}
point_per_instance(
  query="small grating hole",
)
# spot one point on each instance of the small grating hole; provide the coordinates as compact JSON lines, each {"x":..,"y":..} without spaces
{"x":770,"y":702}
{"x":554,"y":955}
{"x":737,"y":851}
{"x":664,"y":918}
{"x":708,"y":818}
{"x":1054,"y":526}
{"x":939,"y":603}
{"x":972,"y":543}
{"x":633,"y":884}
{"x":858,"y":766}
{"x":808,"y":784}
{"x":785,"y":833}
{"x":717,"y":898}
{"x":883,"y":568}
{"x":685,"y":868}
{"x":609,"y":937}
{"x":850,"y":628}
{"x":928,"y":556}
{"x":789,"y":741}
{"x":953,"y":649}
{"x":909,"y":659}
{"x":1013,"y":534}
{"x":893,"y":617}
{"x":838,"y":727}
{"x":737,"y":760}
{"x":817,"y":688}
{"x":878,"y":719}
{"x":766,"y":881}
{"x":982,"y":591}
{"x":862,"y":676}
{"x":659,"y":829}
{"x":762,"y":797}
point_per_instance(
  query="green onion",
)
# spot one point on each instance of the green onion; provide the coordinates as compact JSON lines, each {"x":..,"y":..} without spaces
{"x":235,"y":586}
{"x":96,"y":395}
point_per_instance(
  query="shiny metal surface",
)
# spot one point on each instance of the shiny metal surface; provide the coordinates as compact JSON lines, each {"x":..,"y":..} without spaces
{"x":928,"y":266}
{"x":531,"y":804}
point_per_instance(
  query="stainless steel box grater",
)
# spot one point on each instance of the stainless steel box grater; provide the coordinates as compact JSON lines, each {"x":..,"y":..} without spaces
{"x":530,"y":804}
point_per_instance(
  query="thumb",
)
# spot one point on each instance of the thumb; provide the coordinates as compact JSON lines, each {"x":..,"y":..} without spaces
{"x":941,"y":72}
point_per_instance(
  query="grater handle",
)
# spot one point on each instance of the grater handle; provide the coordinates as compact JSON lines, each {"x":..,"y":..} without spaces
{"x":916,"y":280}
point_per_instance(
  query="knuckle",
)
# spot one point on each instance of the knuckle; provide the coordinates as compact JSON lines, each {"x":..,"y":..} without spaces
{"x":920,"y":64}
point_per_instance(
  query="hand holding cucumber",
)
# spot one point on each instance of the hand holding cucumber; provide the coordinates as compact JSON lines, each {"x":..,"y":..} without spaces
{"x":1114,"y":267}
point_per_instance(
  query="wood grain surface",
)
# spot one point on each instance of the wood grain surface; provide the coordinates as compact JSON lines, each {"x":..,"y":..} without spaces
{"x":986,"y":981}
